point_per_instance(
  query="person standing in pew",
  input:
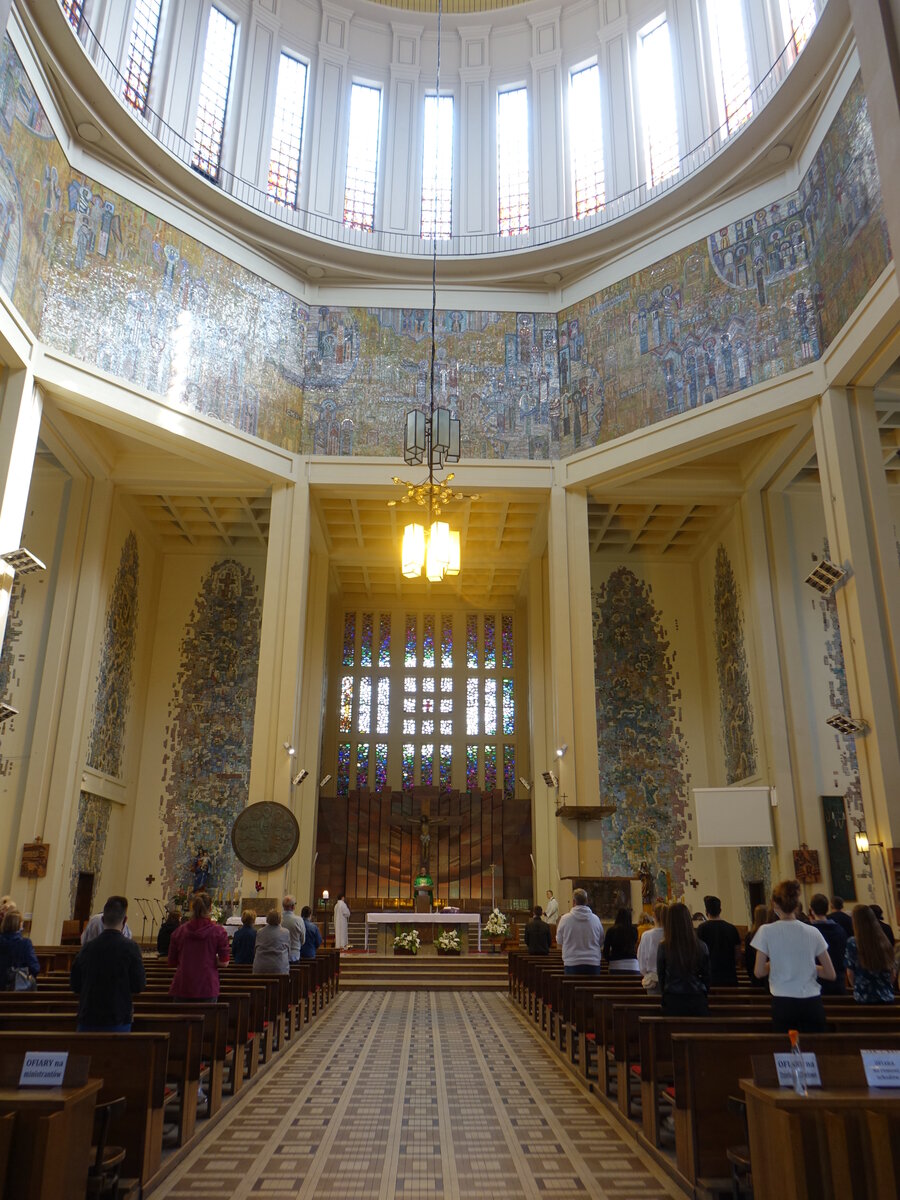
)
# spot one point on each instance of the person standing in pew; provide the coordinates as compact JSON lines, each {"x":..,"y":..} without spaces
{"x":837,"y":945}
{"x":761,"y":916}
{"x":682,"y":966}
{"x":95,"y":926}
{"x":243,"y":944}
{"x":723,"y":942}
{"x":795,"y":958}
{"x":648,"y":946}
{"x":870,"y":960}
{"x":295,"y":927}
{"x":579,"y":935}
{"x":197,"y":949}
{"x":168,"y":927}
{"x":313,"y":939}
{"x":620,"y":944}
{"x":19,"y":966}
{"x":106,"y":974}
{"x":538,"y":935}
{"x":839,"y":917}
{"x":885,"y":928}
{"x":273,"y":947}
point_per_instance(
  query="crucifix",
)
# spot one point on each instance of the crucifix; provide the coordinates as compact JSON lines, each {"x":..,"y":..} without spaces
{"x":424,"y":823}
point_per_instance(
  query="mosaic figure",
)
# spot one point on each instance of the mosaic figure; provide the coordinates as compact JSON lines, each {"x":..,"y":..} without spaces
{"x":735,"y":709}
{"x":91,"y":832}
{"x":10,"y":664}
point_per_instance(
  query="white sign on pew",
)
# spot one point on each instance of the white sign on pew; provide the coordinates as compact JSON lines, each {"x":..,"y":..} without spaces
{"x":882,"y":1068}
{"x":785,"y":1063}
{"x":43,"y":1068}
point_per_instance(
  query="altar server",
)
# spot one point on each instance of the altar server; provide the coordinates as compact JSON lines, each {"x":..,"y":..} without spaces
{"x":341,"y":923}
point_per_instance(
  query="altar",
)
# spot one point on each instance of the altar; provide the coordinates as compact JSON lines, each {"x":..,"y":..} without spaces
{"x":387,"y":919}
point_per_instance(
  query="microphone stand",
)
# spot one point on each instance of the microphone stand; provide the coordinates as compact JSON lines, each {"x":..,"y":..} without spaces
{"x":152,"y":920}
{"x":140,"y":904}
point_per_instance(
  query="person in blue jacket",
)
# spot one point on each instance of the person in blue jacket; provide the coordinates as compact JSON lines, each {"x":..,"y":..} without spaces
{"x":313,"y":939}
{"x":16,"y":951}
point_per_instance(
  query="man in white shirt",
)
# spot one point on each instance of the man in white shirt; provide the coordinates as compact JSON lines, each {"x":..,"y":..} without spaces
{"x":295,"y":927}
{"x":341,"y":923}
{"x":551,"y":909}
{"x":579,"y":935}
{"x":94,"y":926}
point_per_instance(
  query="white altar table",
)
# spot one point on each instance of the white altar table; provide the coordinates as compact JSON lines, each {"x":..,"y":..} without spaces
{"x":414,"y":918}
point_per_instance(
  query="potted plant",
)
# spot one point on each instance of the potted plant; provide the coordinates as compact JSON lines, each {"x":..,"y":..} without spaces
{"x":448,"y":942}
{"x":496,"y":927}
{"x":407,"y":942}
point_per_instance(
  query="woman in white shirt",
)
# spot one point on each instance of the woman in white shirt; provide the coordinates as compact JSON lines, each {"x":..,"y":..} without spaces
{"x":795,"y":957}
{"x":648,"y":946}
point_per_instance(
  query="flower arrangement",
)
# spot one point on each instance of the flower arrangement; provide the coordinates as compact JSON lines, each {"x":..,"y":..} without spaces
{"x":448,"y":939}
{"x":496,"y":925}
{"x":217,"y":912}
{"x":407,"y":940}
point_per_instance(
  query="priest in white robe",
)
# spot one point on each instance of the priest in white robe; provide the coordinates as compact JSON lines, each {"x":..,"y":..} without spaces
{"x":341,"y":923}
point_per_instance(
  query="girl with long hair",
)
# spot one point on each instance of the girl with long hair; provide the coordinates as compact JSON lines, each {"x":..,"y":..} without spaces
{"x":870,"y":961}
{"x":682,"y":964}
{"x":620,"y":944}
{"x":795,"y":957}
{"x":762,"y":915}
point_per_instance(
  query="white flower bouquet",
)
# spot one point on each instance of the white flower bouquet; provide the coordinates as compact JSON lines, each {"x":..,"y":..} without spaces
{"x":496,"y":925}
{"x":407,"y":940}
{"x":448,"y":939}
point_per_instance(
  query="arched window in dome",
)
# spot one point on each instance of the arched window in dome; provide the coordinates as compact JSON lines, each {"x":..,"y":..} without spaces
{"x":586,"y":141}
{"x":362,"y":156}
{"x":74,"y":10}
{"x":656,"y":87}
{"x":729,"y":63}
{"x":287,"y":130}
{"x":513,"y":210}
{"x":141,"y":52}
{"x":215,"y":86}
{"x":797,"y":20}
{"x":437,"y":168}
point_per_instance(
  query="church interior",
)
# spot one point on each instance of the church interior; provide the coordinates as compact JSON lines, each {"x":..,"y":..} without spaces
{"x":471,"y":429}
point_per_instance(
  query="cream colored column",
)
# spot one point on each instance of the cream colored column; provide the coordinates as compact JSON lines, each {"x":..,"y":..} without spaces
{"x":281,"y":644}
{"x":20,"y":422}
{"x":545,"y":823}
{"x":856,"y":516}
{"x":67,"y":694}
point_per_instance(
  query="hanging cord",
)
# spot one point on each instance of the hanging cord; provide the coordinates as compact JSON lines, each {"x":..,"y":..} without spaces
{"x":437,"y":112}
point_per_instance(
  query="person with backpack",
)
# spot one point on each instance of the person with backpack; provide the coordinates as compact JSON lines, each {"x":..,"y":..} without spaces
{"x":19,"y":966}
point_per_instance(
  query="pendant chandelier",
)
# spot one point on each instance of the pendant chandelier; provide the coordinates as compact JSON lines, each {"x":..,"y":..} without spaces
{"x":431,"y":438}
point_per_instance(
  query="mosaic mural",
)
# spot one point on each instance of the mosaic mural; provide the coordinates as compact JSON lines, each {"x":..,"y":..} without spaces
{"x":640,"y":746}
{"x":91,"y":830}
{"x":10,"y":675}
{"x":106,"y":746}
{"x":105,"y":280}
{"x":735,"y":708}
{"x":209,"y":735}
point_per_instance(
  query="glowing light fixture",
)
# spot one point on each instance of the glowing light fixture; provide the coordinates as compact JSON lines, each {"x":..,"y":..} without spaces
{"x":862,"y":841}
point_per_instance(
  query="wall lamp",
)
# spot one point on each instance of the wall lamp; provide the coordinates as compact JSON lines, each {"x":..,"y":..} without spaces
{"x":847,"y":725}
{"x":561,"y":750}
{"x":22,"y":561}
{"x":825,"y":577}
{"x":290,"y":749}
{"x":297,"y":779}
{"x":550,"y":779}
{"x":864,"y":847}
{"x":325,"y":779}
{"x":526,"y":783}
{"x":7,"y":711}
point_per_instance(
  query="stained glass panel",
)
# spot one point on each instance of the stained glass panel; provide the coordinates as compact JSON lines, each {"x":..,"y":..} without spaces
{"x":490,"y":707}
{"x":471,"y":640}
{"x":384,"y":640}
{"x":346,"y":719}
{"x":409,"y":727}
{"x":506,"y":641}
{"x":446,"y":640}
{"x":408,"y":767}
{"x":472,"y":712}
{"x":445,"y":767}
{"x":428,"y":683}
{"x":509,"y":772}
{"x":446,"y":704}
{"x":343,"y":771}
{"x":409,"y":659}
{"x":427,"y":765}
{"x":490,"y":768}
{"x":446,"y":728}
{"x":383,"y":717}
{"x":428,"y":728}
{"x":471,"y":767}
{"x":365,"y":649}
{"x":427,"y":706}
{"x":409,"y":704}
{"x":509,"y":707}
{"x":349,"y":638}
{"x":364,"y":711}
{"x":362,"y":765}
{"x":380,"y":766}
{"x":410,"y":683}
{"x":428,"y":642}
{"x":490,"y":655}
{"x":447,"y":683}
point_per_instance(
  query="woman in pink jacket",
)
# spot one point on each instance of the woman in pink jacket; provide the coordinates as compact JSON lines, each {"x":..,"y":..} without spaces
{"x":197,"y":949}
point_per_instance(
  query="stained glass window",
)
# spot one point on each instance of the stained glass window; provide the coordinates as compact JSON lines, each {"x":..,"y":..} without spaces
{"x":409,"y":766}
{"x":349,"y":638}
{"x":586,"y":140}
{"x":437,"y":167}
{"x":409,"y":704}
{"x":362,"y":156}
{"x":215,"y":85}
{"x":471,"y":640}
{"x":657,"y":95}
{"x":447,"y":685}
{"x":364,"y":712}
{"x":410,"y":727}
{"x":362,"y":765}
{"x":730,"y":66}
{"x":472,"y":706}
{"x":506,"y":638}
{"x":428,"y":683}
{"x":490,"y":706}
{"x":428,"y":764}
{"x":343,"y":771}
{"x":512,"y":162}
{"x":490,"y":655}
{"x":447,"y":704}
{"x":428,"y":642}
{"x":410,"y":683}
{"x":509,"y":771}
{"x":445,"y":765}
{"x":383,"y":717}
{"x":410,"y":655}
{"x":797,"y":20}
{"x":446,"y":642}
{"x":346,"y":703}
{"x":141,"y":52}
{"x":381,"y":755}
{"x":471,"y":767}
{"x":446,"y":727}
{"x":74,"y":10}
{"x":490,"y":768}
{"x":384,"y":640}
{"x":365,"y":649}
{"x":287,"y":130}
{"x":428,"y":728}
{"x":509,"y":707}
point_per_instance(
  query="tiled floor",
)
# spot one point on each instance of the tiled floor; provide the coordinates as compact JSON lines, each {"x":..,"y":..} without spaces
{"x":414,"y":1095}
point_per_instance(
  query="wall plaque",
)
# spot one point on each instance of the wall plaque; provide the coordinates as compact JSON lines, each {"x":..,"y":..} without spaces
{"x":35,"y":856}
{"x":265,"y":835}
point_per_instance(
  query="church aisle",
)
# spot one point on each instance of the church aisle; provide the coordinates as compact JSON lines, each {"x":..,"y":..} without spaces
{"x":415,"y":1095}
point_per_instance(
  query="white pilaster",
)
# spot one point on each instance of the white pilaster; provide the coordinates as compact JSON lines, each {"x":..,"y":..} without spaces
{"x":614,"y":60}
{"x":331,"y":108}
{"x":20,"y":422}
{"x":254,"y":134}
{"x":477,"y":131}
{"x":403,"y":160}
{"x":548,"y":197}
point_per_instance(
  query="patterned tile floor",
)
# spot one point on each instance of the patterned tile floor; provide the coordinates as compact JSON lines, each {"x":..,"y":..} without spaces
{"x":415,"y":1095}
